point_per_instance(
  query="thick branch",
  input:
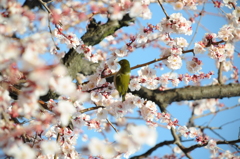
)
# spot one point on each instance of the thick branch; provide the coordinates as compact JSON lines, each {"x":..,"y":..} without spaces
{"x":164,"y":98}
{"x":186,"y":150}
{"x":96,"y":32}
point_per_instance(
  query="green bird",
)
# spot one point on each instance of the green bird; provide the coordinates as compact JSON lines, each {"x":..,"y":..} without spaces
{"x":122,"y":78}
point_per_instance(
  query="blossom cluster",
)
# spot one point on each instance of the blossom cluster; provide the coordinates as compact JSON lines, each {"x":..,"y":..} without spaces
{"x":176,"y":23}
{"x":127,"y":142}
{"x":179,"y":5}
{"x":31,"y":128}
{"x":135,"y":9}
{"x":147,"y":77}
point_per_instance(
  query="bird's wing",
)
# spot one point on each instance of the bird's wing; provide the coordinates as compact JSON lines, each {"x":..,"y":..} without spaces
{"x":120,"y":79}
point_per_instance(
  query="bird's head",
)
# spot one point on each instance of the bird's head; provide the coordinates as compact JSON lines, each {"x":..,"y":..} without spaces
{"x":125,"y":65}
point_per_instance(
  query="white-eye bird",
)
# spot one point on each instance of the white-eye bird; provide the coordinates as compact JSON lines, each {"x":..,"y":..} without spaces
{"x":122,"y":78}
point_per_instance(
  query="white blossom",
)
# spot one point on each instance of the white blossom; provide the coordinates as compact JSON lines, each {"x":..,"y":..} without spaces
{"x":102,"y":113}
{"x":134,"y":84}
{"x":50,"y":147}
{"x":66,"y":109}
{"x":21,"y":151}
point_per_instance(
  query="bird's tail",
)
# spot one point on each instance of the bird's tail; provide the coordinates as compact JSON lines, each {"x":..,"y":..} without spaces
{"x":123,"y":97}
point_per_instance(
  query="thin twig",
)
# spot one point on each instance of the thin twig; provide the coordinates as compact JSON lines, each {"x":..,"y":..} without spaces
{"x":235,"y":146}
{"x":201,"y":15}
{"x":155,"y":60}
{"x":150,"y":151}
{"x":207,"y":127}
{"x":229,"y":122}
{"x":211,"y":119}
{"x":112,"y":125}
{"x":34,"y":139}
{"x":164,"y":11}
{"x":200,"y":116}
{"x":178,"y":143}
{"x":89,"y":109}
{"x":50,"y":30}
{"x":45,"y":5}
{"x":220,"y":70}
{"x":58,"y":135}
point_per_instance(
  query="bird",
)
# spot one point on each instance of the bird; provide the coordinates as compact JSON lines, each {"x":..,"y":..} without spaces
{"x":122,"y":78}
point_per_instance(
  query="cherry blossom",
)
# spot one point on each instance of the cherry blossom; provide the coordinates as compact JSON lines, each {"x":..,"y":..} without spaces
{"x":227,"y":66}
{"x":66,"y":109}
{"x":45,"y":110}
{"x":143,"y":135}
{"x":212,"y":145}
{"x":140,"y":10}
{"x":178,"y":6}
{"x":176,"y":24}
{"x":199,"y":48}
{"x":183,"y":130}
{"x":194,"y":65}
{"x":21,"y":151}
{"x":147,"y":72}
{"x":134,"y":84}
{"x":102,"y":114}
{"x":174,"y":62}
{"x":50,"y":147}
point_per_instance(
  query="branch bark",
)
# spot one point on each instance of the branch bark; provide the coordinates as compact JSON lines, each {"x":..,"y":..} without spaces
{"x":164,"y":98}
{"x":149,"y":152}
{"x":96,"y":32}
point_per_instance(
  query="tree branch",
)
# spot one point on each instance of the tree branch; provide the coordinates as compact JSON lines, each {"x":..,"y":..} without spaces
{"x":149,"y":152}
{"x":164,"y":98}
{"x":189,"y":149}
{"x":164,"y":11}
{"x":220,"y":70}
{"x":96,"y":32}
{"x":203,"y":115}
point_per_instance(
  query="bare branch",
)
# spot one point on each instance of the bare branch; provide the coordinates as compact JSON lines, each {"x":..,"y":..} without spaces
{"x":227,"y":108}
{"x":207,"y":127}
{"x":112,"y":125}
{"x":178,"y":143}
{"x":228,"y":142}
{"x":150,"y":151}
{"x":201,"y":15}
{"x":89,"y":109}
{"x":220,"y":70}
{"x":164,"y":98}
{"x":189,"y":149}
{"x":45,"y":6}
{"x":164,"y":11}
{"x":230,"y":122}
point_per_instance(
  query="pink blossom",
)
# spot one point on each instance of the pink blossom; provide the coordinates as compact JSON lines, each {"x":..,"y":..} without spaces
{"x":134,"y":84}
{"x":199,"y":48}
{"x":66,"y":109}
{"x":183,"y":130}
{"x":143,"y":135}
{"x":174,"y":62}
{"x":102,"y":113}
{"x":194,"y":65}
{"x":176,"y":24}
{"x":212,"y":145}
{"x":147,"y":72}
